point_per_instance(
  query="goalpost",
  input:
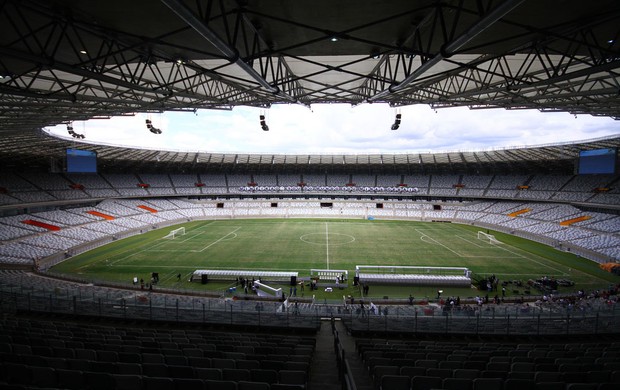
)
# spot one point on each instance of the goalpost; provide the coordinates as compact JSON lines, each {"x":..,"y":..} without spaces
{"x":174,"y":233}
{"x":488,"y":238}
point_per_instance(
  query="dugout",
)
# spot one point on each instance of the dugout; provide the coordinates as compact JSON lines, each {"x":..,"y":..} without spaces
{"x":230,"y":275}
{"x":413,"y":275}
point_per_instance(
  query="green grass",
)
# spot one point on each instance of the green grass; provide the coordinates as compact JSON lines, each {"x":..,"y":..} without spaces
{"x":301,"y":244}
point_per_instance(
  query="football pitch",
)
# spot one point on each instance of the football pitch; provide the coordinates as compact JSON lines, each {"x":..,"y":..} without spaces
{"x":302,"y":244}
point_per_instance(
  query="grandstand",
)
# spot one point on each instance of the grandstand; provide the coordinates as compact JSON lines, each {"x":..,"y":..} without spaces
{"x":62,"y":331}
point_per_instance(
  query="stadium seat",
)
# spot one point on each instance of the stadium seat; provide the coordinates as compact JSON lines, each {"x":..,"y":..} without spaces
{"x":236,"y":374}
{"x":129,"y":368}
{"x":208,"y":373}
{"x":245,"y":385}
{"x":292,"y":377}
{"x":440,"y":372}
{"x":379,"y":371}
{"x":70,"y":379}
{"x":395,"y":382}
{"x":412,"y":371}
{"x":155,"y":383}
{"x":467,"y":373}
{"x":488,"y":384}
{"x":99,"y":380}
{"x":263,"y":375}
{"x":43,"y":377}
{"x":550,"y":386}
{"x":127,"y":382}
{"x":457,"y":384}
{"x":519,"y":384}
{"x":425,"y":383}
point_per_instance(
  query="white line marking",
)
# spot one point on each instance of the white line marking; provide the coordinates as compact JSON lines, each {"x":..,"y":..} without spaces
{"x":471,"y":242}
{"x":327,"y":244}
{"x":422,"y":235}
{"x":532,"y":260}
{"x":215,"y":242}
{"x":160,"y":241}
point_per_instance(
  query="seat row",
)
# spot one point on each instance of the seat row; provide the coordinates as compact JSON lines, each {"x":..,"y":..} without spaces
{"x":506,"y":353}
{"x":401,"y":382}
{"x":590,"y":376}
{"x":21,"y":376}
{"x":81,"y":339}
{"x":77,"y":331}
{"x":154,"y":354}
{"x":154,"y":363}
{"x":548,"y":364}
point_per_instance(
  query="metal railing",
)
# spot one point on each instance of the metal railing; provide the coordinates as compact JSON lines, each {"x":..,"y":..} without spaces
{"x":490,"y":320}
{"x":163,"y":309}
{"x":597,"y":316}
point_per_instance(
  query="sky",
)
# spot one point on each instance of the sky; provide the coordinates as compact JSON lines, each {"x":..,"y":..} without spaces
{"x":342,"y":129}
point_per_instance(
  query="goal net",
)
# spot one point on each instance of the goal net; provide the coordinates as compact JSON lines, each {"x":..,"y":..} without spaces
{"x":175,"y":233}
{"x":486,"y":237}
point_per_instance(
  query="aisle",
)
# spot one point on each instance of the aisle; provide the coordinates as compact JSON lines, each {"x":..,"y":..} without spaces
{"x":324,"y":369}
{"x":363,"y":380}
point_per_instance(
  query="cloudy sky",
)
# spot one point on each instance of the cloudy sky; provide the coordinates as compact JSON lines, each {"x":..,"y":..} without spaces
{"x":340,"y":128}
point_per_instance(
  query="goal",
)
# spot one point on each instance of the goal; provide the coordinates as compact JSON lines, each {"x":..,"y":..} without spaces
{"x":486,"y":237}
{"x":176,"y":232}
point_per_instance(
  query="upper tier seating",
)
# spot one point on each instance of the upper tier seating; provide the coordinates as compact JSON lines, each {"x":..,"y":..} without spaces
{"x":55,"y":187}
{"x":266,"y":180}
{"x":288,"y":180}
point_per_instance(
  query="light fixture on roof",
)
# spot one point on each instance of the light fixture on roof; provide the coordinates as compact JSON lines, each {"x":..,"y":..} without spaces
{"x":83,"y":51}
{"x":149,"y":125}
{"x":334,"y":39}
{"x":396,"y":123}
{"x":73,"y":133}
{"x":263,"y":123}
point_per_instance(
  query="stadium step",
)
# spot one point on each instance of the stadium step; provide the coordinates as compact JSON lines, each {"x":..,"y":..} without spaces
{"x":324,"y":369}
{"x":363,"y":380}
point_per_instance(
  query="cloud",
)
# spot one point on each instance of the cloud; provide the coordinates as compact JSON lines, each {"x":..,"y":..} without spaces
{"x":342,"y":129}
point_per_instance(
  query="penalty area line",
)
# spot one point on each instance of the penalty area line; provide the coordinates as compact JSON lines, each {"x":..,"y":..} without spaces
{"x":215,"y":242}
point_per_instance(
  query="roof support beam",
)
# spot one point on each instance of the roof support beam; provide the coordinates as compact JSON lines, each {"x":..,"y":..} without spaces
{"x":230,"y":53}
{"x":77,"y":71}
{"x":447,"y":50}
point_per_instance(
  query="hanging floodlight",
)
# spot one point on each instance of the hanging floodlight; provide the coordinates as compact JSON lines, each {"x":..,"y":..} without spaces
{"x":152,"y":129}
{"x":396,"y":123}
{"x":263,"y":123}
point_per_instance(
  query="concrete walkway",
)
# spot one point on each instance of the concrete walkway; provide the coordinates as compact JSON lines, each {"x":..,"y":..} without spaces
{"x":324,"y":369}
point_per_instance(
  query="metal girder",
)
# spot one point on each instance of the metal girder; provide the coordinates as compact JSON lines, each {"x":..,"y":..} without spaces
{"x":277,"y":70}
{"x":55,"y":58}
{"x":230,"y":53}
{"x":93,"y":59}
{"x":579,"y":85}
{"x":540,"y":76}
{"x":449,"y":47}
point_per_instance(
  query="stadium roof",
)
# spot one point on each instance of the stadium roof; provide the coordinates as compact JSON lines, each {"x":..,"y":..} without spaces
{"x":68,"y":60}
{"x":39,"y":151}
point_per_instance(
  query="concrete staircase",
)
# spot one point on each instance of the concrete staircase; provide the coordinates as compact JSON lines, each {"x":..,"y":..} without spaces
{"x":324,"y":369}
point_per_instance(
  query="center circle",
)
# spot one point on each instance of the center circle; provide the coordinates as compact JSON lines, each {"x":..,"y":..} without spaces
{"x":330,"y":238}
